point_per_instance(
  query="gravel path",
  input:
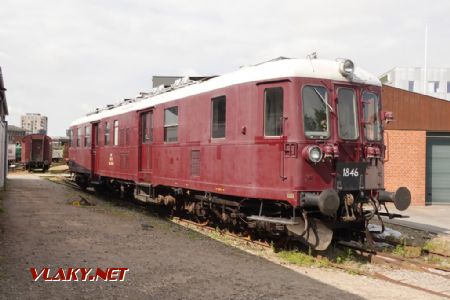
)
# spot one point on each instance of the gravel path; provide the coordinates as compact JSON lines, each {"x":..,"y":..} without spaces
{"x":39,"y":228}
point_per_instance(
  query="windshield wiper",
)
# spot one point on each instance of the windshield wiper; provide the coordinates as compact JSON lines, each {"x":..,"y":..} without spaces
{"x":323,"y":100}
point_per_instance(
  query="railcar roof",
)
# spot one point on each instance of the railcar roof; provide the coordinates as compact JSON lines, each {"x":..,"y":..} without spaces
{"x":315,"y":68}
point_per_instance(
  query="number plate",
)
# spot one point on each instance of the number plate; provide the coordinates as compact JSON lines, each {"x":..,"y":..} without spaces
{"x":350,"y":176}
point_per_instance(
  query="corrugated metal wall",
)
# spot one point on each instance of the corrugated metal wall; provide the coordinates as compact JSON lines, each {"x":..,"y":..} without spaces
{"x":414,"y":111}
{"x":3,"y":153}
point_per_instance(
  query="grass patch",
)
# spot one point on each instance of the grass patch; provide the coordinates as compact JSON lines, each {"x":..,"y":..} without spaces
{"x":302,"y":259}
{"x":407,"y":251}
{"x":439,"y":244}
{"x":345,"y":256}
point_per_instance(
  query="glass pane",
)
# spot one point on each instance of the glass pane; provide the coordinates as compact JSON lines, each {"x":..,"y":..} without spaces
{"x":144,"y":127}
{"x":371,"y":116}
{"x":171,"y":134}
{"x":315,"y":111}
{"x":347,"y":114}
{"x":171,"y":116}
{"x":78,"y":136}
{"x":106,"y":133}
{"x":273,"y":111}
{"x":218,"y":117}
{"x":116,"y":133}
{"x":147,"y":124}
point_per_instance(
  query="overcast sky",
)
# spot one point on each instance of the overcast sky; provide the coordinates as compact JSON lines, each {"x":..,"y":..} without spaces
{"x":64,"y":58}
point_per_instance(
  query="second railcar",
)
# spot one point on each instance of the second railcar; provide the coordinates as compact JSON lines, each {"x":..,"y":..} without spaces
{"x":36,"y":152}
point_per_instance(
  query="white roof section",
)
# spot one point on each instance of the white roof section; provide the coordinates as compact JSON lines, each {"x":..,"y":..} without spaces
{"x":310,"y":68}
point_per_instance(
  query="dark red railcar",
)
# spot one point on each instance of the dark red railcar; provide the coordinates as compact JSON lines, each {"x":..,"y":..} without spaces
{"x":36,"y":152}
{"x":291,"y":145}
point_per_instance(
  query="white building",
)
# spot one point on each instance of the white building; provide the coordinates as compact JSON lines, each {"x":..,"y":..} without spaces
{"x":34,"y":123}
{"x":413,"y":80}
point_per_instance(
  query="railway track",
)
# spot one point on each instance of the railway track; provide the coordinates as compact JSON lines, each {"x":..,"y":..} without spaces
{"x":374,"y":257}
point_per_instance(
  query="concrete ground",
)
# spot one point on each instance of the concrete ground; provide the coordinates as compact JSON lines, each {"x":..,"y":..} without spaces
{"x":41,"y":227}
{"x":433,"y":218}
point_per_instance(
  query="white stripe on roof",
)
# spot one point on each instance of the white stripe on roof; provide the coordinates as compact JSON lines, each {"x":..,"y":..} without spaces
{"x":316,"y":68}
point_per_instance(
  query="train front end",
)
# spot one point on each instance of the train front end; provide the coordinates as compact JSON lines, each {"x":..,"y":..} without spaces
{"x":343,"y":126}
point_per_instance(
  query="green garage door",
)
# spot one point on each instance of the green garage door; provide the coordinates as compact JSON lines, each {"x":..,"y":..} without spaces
{"x":438,"y":168}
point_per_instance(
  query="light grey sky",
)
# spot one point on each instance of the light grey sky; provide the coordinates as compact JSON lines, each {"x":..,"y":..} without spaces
{"x":64,"y":58}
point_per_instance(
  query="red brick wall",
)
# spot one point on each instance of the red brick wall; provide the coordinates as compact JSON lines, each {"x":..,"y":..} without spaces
{"x":405,"y":165}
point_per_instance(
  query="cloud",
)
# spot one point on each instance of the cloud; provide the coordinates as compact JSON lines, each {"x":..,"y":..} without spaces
{"x":62,"y":58}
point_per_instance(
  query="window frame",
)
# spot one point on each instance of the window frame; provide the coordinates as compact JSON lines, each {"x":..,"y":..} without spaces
{"x":87,"y":136}
{"x":174,"y":125}
{"x":327,"y":110}
{"x":219,"y":98}
{"x":147,"y":117}
{"x":378,"y":114}
{"x":281,"y":118}
{"x":116,"y":133}
{"x":106,"y":133}
{"x":78,"y":144}
{"x":356,"y":115}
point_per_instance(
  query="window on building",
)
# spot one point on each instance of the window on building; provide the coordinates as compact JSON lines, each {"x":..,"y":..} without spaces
{"x":116,"y":133}
{"x":411,"y":86}
{"x":87,"y":136}
{"x":433,"y":86}
{"x":273,"y":111}
{"x":171,"y":124}
{"x":147,"y":127}
{"x":107,"y":129}
{"x":78,"y":136}
{"x":218,"y":119}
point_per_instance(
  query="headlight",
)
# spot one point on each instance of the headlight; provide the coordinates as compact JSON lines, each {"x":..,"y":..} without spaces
{"x":347,"y":68}
{"x":313,"y":154}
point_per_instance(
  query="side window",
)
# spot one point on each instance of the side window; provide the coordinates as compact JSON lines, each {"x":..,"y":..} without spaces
{"x":79,"y":137}
{"x":218,"y":119}
{"x":116,"y":133}
{"x":97,"y":126}
{"x":70,"y":134}
{"x":171,"y":124}
{"x":273,"y":111}
{"x":87,"y":136}
{"x":107,"y":129}
{"x":147,"y":127}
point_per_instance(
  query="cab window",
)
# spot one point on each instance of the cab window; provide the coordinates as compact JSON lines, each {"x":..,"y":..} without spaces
{"x":316,"y":121}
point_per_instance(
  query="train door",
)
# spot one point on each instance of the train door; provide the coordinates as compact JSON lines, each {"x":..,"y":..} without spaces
{"x":94,"y":145}
{"x":273,"y":111}
{"x":145,"y":145}
{"x":37,"y":149}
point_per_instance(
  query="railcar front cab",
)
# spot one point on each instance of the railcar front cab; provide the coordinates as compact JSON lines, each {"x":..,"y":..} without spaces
{"x":346,"y":134}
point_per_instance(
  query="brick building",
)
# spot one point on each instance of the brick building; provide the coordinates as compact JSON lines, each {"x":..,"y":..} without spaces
{"x":418,"y":143}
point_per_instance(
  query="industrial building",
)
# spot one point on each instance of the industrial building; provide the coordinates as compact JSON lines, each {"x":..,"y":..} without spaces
{"x":434,"y":82}
{"x":15,"y":134}
{"x":418,"y":145}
